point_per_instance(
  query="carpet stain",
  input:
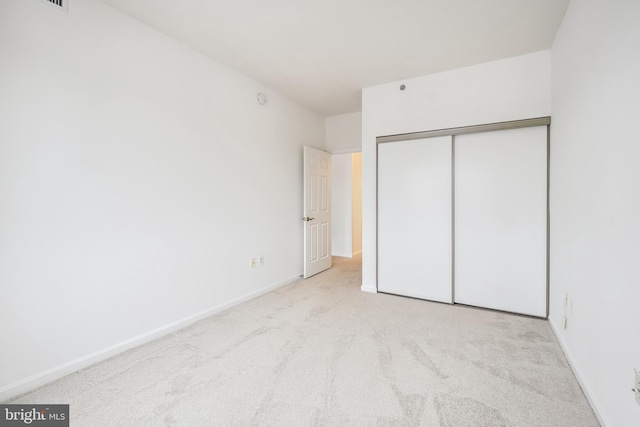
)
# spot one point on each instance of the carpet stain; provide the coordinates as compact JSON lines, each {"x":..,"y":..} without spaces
{"x":340,"y":347}
{"x":386,"y":359}
{"x":264,"y":407}
{"x":245,"y":339}
{"x":412,"y":405}
{"x":317,"y":311}
{"x":423,"y":359}
{"x":455,"y":411}
{"x":533,"y":337}
{"x":179,"y":385}
{"x":169,"y":420}
{"x":509,"y":377}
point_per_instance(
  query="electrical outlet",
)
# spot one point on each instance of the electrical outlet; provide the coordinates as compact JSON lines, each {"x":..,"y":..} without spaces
{"x":261,"y":260}
{"x":566,"y":306}
{"x":252,"y":263}
{"x":636,"y":389}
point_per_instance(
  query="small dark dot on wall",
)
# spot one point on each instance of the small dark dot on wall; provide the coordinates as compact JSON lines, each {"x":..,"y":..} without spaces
{"x":402,"y":87}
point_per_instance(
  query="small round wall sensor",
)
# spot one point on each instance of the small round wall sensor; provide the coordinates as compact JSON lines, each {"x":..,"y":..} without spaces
{"x":262,"y":98}
{"x":402,"y":87}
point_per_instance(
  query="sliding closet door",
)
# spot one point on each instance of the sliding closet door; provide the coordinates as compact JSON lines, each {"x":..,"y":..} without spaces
{"x":501,"y":220}
{"x":414,"y":218}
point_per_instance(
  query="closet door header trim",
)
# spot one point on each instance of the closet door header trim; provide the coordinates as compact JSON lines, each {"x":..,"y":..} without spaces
{"x":515,"y":124}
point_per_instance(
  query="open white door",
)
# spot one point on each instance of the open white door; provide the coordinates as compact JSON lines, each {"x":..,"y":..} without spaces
{"x":317,"y":211}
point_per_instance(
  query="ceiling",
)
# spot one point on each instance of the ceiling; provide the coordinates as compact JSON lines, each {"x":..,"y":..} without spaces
{"x":321,"y":53}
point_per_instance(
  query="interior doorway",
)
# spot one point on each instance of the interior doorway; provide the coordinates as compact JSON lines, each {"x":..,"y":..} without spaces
{"x":346,"y":200}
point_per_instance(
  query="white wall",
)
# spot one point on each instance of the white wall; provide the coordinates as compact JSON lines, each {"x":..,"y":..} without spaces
{"x":137,"y":178}
{"x":356,"y":203}
{"x":510,"y":89}
{"x":344,"y":133}
{"x":595,"y":207}
{"x":346,"y":204}
{"x":341,"y":211}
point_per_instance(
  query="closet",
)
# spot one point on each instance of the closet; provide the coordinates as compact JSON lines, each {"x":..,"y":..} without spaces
{"x":462,"y":216}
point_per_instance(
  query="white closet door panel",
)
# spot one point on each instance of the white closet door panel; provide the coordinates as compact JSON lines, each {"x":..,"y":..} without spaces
{"x":414,"y":218}
{"x":500,"y":217}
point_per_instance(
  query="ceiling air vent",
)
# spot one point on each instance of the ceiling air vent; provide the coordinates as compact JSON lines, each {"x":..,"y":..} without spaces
{"x":62,"y":4}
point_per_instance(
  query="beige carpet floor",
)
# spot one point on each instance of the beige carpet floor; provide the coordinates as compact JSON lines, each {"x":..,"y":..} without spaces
{"x":320,"y":352}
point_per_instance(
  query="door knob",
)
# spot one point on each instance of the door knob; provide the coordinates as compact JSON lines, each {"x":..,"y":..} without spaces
{"x":306,"y":218}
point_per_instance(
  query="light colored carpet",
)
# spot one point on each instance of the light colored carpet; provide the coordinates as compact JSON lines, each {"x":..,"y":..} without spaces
{"x":320,"y":352}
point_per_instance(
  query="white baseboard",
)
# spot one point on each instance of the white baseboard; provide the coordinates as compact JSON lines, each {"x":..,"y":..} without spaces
{"x":578,"y":374}
{"x":341,"y":255}
{"x":27,"y":384}
{"x":365,"y":288}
